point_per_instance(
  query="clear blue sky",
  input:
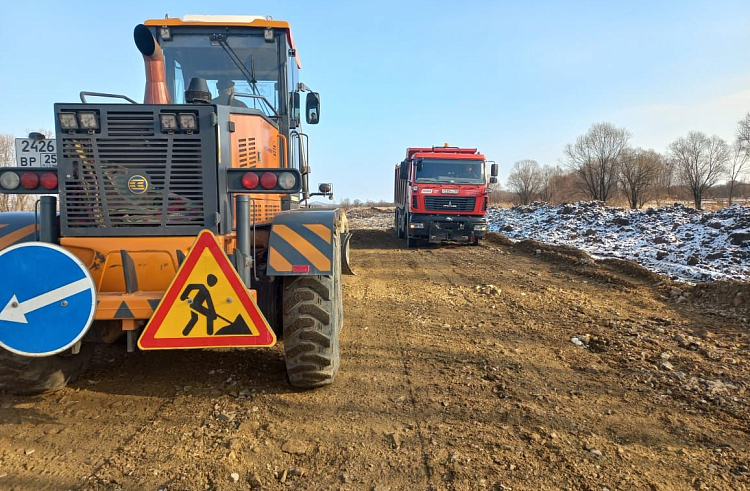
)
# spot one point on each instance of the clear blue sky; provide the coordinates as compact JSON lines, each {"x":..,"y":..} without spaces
{"x":516,"y":79}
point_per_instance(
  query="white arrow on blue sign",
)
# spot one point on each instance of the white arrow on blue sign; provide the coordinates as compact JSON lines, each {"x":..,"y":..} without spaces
{"x":48,"y":299}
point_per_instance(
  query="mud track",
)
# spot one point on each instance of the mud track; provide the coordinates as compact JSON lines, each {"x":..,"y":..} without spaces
{"x":458,"y":373}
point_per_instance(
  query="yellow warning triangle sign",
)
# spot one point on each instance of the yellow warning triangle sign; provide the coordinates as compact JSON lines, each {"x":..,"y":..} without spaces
{"x":206,"y":306}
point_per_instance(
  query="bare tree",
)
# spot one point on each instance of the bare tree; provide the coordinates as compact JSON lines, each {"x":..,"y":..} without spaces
{"x":12,"y":202}
{"x":665,"y":177}
{"x":7,"y":150}
{"x":548,"y":181}
{"x":638,"y":171}
{"x":700,"y":161}
{"x":595,"y":158}
{"x":739,"y":157}
{"x":496,"y":193}
{"x":525,"y":180}
{"x":743,"y":132}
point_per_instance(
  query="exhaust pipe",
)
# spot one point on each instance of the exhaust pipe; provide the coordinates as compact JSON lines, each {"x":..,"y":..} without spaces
{"x":153,"y":57}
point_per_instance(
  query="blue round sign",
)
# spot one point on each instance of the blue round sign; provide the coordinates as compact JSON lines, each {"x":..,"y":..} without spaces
{"x":47,"y":299}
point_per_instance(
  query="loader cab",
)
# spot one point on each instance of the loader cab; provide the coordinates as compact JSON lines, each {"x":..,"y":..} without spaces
{"x":259,"y":118}
{"x":256,"y":55}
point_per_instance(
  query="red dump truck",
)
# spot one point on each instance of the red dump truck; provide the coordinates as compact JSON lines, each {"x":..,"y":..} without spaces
{"x":441,"y":195}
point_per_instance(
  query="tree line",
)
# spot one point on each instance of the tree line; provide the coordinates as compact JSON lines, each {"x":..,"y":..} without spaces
{"x":601,"y":165}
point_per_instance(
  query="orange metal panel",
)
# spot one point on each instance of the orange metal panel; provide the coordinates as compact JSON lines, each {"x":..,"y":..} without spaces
{"x":255,"y":145}
{"x":155,"y":259}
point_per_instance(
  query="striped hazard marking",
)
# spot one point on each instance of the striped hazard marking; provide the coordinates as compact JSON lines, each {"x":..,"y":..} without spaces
{"x":304,"y":246}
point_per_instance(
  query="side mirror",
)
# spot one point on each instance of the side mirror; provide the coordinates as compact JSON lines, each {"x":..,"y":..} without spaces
{"x":493,"y":180}
{"x":312,"y":106}
{"x":493,"y":171}
{"x":404,"y":170}
{"x":294,"y":110}
{"x":326,"y":189}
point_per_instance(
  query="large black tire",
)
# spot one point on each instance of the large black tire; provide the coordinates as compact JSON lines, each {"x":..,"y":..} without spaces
{"x":410,"y":241}
{"x":25,"y":375}
{"x":312,"y":318}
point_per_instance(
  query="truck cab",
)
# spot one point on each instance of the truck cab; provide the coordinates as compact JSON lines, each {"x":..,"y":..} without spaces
{"x":441,"y":194}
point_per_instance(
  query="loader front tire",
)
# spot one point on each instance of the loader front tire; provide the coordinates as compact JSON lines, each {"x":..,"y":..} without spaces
{"x":25,"y":375}
{"x":312,"y":318}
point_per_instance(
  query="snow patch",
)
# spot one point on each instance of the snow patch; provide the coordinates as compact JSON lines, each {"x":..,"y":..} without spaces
{"x":681,"y":242}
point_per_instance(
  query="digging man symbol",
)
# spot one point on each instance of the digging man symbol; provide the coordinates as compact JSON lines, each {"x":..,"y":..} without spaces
{"x":203,"y":304}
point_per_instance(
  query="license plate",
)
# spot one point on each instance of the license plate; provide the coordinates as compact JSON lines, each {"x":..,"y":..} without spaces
{"x":36,"y":153}
{"x":450,"y":191}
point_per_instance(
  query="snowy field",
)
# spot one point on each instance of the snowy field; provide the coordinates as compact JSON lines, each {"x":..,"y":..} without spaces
{"x":677,"y":241}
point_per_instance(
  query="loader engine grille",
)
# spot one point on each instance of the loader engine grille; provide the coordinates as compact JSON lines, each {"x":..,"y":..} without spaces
{"x":442,"y":203}
{"x":133,"y":179}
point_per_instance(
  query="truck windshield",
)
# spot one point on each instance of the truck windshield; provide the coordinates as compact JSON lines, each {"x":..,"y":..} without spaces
{"x":450,"y":171}
{"x":201,"y":55}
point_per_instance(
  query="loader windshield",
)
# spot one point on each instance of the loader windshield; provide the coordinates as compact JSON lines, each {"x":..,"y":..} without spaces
{"x":253,"y":64}
{"x":450,"y":171}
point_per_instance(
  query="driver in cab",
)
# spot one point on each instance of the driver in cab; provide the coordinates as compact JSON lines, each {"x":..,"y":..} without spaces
{"x":226,"y":89}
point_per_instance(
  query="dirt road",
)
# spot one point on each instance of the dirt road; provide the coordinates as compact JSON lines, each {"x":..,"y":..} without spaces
{"x":458,"y":373}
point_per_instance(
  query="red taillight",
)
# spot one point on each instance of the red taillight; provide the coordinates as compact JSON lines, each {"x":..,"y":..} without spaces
{"x":268,"y":180}
{"x":250,"y":180}
{"x":29,"y":180}
{"x":298,"y":268}
{"x":48,"y":180}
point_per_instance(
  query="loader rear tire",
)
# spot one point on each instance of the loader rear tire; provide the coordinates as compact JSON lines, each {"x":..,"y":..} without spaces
{"x":25,"y":375}
{"x":312,"y":318}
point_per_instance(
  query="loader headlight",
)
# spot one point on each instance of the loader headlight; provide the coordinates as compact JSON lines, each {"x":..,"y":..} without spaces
{"x":188,"y":122}
{"x":168,"y":122}
{"x":9,"y":180}
{"x":68,"y":121}
{"x":286,"y":180}
{"x":88,"y":120}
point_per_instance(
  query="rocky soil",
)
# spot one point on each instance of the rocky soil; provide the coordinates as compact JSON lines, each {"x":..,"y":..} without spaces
{"x":508,"y":366}
{"x":678,"y":241}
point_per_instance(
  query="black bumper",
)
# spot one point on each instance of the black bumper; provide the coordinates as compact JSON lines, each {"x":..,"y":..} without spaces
{"x":439,"y":228}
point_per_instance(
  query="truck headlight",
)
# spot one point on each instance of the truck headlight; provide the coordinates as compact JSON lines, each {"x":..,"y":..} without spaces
{"x":168,"y":122}
{"x":68,"y":121}
{"x":481,"y":227}
{"x":188,"y":122}
{"x":416,"y":225}
{"x":88,"y":120}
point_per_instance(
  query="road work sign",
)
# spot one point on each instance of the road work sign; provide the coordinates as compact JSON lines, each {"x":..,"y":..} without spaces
{"x":206,"y":306}
{"x":48,"y":299}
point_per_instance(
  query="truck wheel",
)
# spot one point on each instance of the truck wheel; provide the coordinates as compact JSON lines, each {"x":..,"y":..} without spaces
{"x":312,"y":321}
{"x":410,"y":241}
{"x":399,"y":228}
{"x":24,"y":375}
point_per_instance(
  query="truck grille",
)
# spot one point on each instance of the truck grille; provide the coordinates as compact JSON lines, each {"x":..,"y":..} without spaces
{"x":101,"y":173}
{"x":444,"y":203}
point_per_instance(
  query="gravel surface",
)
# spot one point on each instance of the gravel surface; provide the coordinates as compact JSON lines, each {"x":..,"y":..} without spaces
{"x":463,"y":368}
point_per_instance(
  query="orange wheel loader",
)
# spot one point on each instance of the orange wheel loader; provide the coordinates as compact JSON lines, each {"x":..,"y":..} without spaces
{"x":180,"y":222}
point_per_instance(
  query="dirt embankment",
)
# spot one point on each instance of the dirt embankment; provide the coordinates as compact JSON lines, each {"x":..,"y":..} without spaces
{"x":496,"y":367}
